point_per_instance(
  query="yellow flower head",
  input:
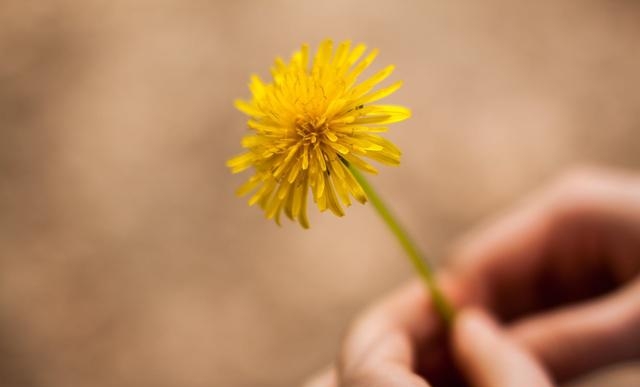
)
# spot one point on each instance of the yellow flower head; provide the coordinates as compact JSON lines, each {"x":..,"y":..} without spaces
{"x":309,"y":124}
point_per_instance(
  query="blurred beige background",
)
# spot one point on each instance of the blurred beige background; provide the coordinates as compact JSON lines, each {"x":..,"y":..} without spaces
{"x":125,"y":259}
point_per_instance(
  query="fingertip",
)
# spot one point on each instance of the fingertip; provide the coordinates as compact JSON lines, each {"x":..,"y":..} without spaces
{"x":472,"y":327}
{"x":474,"y":316}
{"x":488,"y":357}
{"x":472,"y":335}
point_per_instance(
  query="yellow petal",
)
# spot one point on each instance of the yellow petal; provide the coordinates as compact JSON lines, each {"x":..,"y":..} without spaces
{"x":380,"y":93}
{"x":241,"y":162}
{"x":247,"y":108}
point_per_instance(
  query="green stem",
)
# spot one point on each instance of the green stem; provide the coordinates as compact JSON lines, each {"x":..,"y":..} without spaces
{"x":425,"y":272}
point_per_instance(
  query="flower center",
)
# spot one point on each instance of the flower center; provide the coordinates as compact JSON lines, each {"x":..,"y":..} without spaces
{"x":309,"y":129}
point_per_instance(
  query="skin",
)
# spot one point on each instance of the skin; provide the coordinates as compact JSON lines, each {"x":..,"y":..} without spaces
{"x":545,"y":293}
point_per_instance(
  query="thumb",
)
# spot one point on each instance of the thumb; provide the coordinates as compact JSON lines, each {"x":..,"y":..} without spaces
{"x":489,"y":358}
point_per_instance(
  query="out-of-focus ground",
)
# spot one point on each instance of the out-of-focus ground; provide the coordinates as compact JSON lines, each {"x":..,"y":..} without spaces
{"x":125,"y":259}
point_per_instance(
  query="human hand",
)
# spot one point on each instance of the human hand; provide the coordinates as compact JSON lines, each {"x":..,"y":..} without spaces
{"x":562,"y":271}
{"x":483,"y":352}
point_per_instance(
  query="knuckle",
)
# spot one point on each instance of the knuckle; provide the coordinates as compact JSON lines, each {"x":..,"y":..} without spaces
{"x":576,"y":190}
{"x":573,"y":183}
{"x":359,"y":377}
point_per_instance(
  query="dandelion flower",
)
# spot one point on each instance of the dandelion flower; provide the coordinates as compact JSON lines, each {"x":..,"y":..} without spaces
{"x":309,"y":125}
